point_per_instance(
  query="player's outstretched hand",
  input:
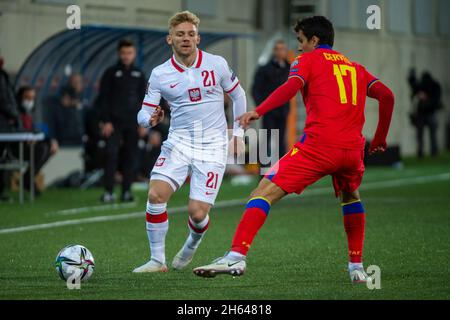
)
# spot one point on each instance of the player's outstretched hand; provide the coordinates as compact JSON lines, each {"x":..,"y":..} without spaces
{"x":157,"y":116}
{"x":377,"y":147}
{"x":247,"y":118}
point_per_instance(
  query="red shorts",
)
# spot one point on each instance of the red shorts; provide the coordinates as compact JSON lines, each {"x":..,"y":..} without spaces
{"x":305,"y":164}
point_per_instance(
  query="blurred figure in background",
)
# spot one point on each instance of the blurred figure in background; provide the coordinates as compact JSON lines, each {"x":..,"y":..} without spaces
{"x":9,"y":113}
{"x":9,"y":121}
{"x":267,"y":78}
{"x":122,"y":90}
{"x":426,"y":98}
{"x":66,"y":118}
{"x":26,"y":97}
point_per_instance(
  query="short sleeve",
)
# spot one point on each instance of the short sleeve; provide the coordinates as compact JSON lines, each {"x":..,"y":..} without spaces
{"x":153,"y":92}
{"x":228,"y":79}
{"x":300,"y":68}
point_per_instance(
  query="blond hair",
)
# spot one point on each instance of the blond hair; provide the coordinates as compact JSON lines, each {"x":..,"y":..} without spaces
{"x":183,"y":16}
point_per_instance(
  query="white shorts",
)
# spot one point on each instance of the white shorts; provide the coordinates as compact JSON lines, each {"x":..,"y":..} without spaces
{"x":174,"y":167}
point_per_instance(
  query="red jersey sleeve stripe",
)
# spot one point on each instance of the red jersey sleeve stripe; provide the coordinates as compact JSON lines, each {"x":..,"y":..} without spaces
{"x":297,"y":76}
{"x":149,"y":104}
{"x":371,"y":83}
{"x":231,"y":90}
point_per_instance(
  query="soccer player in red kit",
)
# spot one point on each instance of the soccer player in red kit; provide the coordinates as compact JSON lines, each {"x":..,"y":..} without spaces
{"x":334,"y":90}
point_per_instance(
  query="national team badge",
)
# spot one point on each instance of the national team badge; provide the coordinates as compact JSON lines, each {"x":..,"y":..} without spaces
{"x":160,"y":162}
{"x":195,"y":94}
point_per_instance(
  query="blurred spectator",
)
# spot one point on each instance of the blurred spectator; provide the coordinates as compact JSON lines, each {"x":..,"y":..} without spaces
{"x":9,"y":114}
{"x":93,"y":140}
{"x":65,"y":120}
{"x":26,"y":97}
{"x":9,"y":121}
{"x":267,"y":78}
{"x":122,"y":90}
{"x":426,"y":97}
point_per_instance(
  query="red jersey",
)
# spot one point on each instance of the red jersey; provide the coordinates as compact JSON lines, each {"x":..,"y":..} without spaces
{"x":334,"y":92}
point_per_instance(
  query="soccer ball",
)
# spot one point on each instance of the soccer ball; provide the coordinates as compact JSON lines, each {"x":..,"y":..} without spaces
{"x":76,"y":261}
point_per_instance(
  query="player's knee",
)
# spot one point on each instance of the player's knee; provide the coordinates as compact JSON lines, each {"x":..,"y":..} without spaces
{"x":198,"y":212}
{"x":268,"y":190}
{"x":350,"y":196}
{"x":154,"y":196}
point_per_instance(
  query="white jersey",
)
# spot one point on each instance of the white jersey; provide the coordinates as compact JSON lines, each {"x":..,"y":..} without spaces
{"x":195,"y":96}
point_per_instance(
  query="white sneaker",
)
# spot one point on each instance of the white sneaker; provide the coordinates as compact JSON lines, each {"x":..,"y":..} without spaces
{"x":151,"y":266}
{"x":179,"y":262}
{"x":223,"y":265}
{"x":358,"y":275}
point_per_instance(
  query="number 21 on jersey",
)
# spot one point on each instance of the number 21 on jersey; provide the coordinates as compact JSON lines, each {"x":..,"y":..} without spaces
{"x":209,"y":78}
{"x":340,"y":71}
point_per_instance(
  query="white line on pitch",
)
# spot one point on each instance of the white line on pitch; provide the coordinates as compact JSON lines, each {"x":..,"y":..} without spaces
{"x":103,"y":207}
{"x":225,"y":203}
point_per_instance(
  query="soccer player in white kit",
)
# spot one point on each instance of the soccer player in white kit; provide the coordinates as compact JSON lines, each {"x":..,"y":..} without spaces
{"x":193,"y":83}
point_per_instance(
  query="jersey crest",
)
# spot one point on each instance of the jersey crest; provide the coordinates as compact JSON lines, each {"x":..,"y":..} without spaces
{"x":195,"y":94}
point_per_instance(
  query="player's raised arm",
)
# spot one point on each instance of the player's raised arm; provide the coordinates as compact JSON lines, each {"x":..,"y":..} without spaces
{"x":385,"y":97}
{"x":150,"y":113}
{"x":297,"y":78}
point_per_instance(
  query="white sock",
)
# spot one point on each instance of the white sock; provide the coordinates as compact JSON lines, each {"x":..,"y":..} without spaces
{"x":157,"y":227}
{"x":195,"y":236}
{"x":355,"y":265}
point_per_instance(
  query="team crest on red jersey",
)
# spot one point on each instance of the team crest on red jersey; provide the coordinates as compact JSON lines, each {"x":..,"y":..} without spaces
{"x":195,"y":94}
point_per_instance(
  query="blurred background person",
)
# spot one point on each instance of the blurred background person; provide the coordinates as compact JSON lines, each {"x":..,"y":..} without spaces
{"x":426,"y":99}
{"x":267,"y":78}
{"x":26,"y":97}
{"x":9,"y":113}
{"x":9,"y":122}
{"x":66,"y":116}
{"x":122,"y":89}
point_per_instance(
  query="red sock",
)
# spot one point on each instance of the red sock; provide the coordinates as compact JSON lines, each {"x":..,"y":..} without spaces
{"x":253,"y":219}
{"x":354,"y":222}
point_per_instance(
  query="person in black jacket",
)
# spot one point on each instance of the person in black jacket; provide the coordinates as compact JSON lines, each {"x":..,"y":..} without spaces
{"x":427,"y":96}
{"x":9,"y":121}
{"x":122,"y":89}
{"x":267,"y":78}
{"x":9,"y":113}
{"x":66,"y":114}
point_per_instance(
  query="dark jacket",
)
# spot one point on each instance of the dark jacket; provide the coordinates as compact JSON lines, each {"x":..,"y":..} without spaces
{"x":121,"y":93}
{"x":431,"y":88}
{"x":267,"y":78}
{"x":9,"y":113}
{"x":65,"y":122}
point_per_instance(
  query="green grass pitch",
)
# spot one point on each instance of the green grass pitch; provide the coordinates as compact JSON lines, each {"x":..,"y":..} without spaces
{"x":300,"y":253}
